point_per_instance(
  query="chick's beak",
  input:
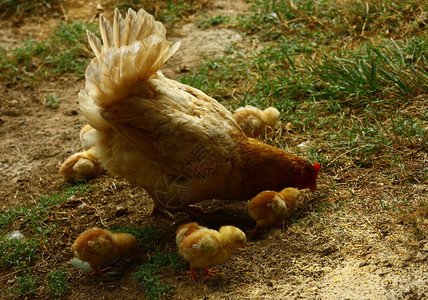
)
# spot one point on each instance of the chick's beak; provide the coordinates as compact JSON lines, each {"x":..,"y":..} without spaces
{"x":243,"y":245}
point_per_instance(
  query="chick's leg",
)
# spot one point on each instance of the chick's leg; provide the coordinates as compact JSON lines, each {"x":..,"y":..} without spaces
{"x":97,"y":271}
{"x":210,"y":272}
{"x":283,"y":224}
{"x":193,"y":274}
{"x":255,"y":229}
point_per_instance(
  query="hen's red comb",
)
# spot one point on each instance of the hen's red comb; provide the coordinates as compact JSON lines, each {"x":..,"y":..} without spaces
{"x":317,"y":166}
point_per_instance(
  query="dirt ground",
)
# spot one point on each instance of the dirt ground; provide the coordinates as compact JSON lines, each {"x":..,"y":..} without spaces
{"x":350,"y":250}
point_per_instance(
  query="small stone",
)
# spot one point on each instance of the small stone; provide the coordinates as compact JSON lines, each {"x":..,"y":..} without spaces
{"x":15,"y":235}
{"x":270,"y":283}
{"x":363,"y":264}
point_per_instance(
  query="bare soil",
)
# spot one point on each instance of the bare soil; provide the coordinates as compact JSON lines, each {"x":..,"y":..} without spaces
{"x":352,"y":248}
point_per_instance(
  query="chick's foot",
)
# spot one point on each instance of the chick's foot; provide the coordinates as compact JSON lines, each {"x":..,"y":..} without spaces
{"x":210,"y":272}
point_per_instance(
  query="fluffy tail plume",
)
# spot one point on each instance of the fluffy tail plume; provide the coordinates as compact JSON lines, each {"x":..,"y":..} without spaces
{"x":132,"y":50}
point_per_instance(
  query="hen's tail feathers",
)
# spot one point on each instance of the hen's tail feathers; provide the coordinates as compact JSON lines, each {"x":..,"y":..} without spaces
{"x":132,"y":50}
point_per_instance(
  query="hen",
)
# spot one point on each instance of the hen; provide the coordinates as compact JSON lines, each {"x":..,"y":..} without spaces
{"x":204,"y":247}
{"x":269,"y":208}
{"x":98,"y":246}
{"x":256,"y":122}
{"x":173,"y":140}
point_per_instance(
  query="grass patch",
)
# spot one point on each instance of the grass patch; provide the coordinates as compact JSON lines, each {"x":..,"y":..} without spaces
{"x":19,"y":7}
{"x":52,"y":101}
{"x":213,"y":21}
{"x":321,"y":19}
{"x":64,"y":53}
{"x":17,"y":253}
{"x":33,"y":220}
{"x":57,"y":282}
{"x":149,"y":238}
{"x":19,"y":249}
{"x":25,"y":286}
{"x":148,"y":275}
{"x":35,"y":215}
{"x":378,"y":74}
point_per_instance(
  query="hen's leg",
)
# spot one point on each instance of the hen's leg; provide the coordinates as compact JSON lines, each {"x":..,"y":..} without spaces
{"x":159,"y":209}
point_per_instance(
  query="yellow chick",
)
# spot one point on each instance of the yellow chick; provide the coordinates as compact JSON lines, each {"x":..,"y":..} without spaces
{"x":256,"y":122}
{"x":204,"y":247}
{"x":98,"y":246}
{"x":83,"y":165}
{"x":269,"y":207}
{"x":88,"y":137}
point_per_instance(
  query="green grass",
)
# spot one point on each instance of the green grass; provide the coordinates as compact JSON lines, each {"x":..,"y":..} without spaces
{"x":65,"y":53}
{"x":148,"y":275}
{"x":25,"y":286}
{"x":11,"y":7}
{"x":21,"y":254}
{"x":320,"y":20}
{"x":17,"y":253}
{"x":57,"y":282}
{"x":149,"y":238}
{"x":34,"y":223}
{"x":52,"y":101}
{"x":375,"y":74}
{"x":213,"y":21}
{"x":35,"y":215}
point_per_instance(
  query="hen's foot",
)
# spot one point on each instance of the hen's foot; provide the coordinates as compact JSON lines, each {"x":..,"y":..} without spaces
{"x":157,"y":209}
